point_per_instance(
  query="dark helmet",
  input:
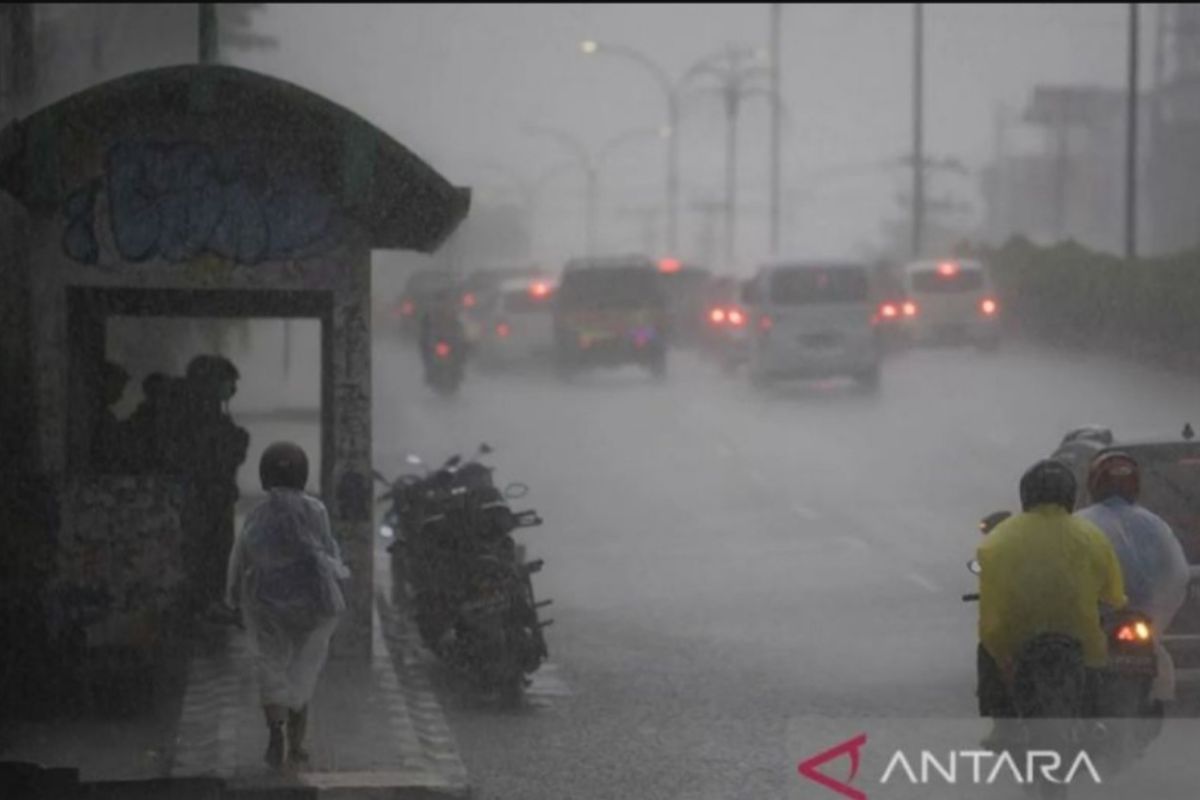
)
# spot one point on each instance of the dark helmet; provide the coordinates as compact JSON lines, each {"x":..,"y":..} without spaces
{"x":1114,"y":473}
{"x":283,"y":466}
{"x":1048,"y":482}
{"x":211,"y":370}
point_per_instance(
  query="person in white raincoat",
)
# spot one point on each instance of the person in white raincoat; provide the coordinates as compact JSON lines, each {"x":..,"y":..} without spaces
{"x":284,"y":576}
{"x":1152,"y":560}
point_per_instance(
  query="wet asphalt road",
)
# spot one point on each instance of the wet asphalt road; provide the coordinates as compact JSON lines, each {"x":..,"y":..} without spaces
{"x":724,"y":561}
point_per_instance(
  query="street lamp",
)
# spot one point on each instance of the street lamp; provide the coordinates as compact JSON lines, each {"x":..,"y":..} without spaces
{"x":671,"y":90}
{"x":736,"y":73}
{"x":591,"y":163}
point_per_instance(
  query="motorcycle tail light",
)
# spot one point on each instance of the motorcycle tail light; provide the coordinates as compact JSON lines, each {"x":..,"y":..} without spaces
{"x":502,"y":330}
{"x":717,"y":315}
{"x":442,"y":349}
{"x":1134,"y":632}
{"x":736,"y":317}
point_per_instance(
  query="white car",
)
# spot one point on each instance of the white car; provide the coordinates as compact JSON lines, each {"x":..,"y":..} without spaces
{"x":518,"y":324}
{"x":953,"y":301}
{"x":813,"y":319}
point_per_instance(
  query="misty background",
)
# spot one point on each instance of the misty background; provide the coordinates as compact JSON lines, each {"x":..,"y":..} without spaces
{"x":460,"y":83}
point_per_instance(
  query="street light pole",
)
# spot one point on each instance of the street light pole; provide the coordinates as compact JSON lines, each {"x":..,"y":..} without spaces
{"x":591,"y":168}
{"x":671,"y":90}
{"x":735,"y":71}
{"x":776,"y":119}
{"x":918,"y":213}
{"x":1131,"y":148}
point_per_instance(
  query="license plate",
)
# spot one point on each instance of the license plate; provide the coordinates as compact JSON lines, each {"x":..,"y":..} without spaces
{"x":1135,"y":663}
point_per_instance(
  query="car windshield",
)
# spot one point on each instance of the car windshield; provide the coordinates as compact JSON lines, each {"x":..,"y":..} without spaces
{"x":818,"y":285}
{"x":611,"y":288}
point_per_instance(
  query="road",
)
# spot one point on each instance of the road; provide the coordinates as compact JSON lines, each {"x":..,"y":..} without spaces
{"x":725,"y":562}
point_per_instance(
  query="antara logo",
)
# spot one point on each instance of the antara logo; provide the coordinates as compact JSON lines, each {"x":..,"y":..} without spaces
{"x":977,"y":767}
{"x":853,"y":749}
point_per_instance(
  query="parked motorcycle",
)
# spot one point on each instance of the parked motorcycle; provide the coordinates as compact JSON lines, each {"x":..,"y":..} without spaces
{"x":455,"y":563}
{"x":1049,"y":692}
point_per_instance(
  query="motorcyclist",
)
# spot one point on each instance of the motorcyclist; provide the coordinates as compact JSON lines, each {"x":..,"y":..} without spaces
{"x":1041,"y":571}
{"x":1153,"y":563}
{"x":441,"y":323}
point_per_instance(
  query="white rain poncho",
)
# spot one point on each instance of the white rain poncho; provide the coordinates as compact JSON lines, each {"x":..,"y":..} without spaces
{"x":284,"y":573}
{"x":1154,"y":566}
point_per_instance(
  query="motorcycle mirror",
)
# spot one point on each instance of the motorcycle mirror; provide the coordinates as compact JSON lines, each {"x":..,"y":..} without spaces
{"x":989,"y":523}
{"x":485,"y":449}
{"x":454,"y":461}
{"x":515,"y":491}
{"x":973,"y":565}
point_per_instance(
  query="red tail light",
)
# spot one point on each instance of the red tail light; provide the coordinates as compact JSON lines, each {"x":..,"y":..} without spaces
{"x":736,"y":317}
{"x":989,"y":307}
{"x":539,"y":289}
{"x":765,"y":323}
{"x":910,"y":309}
{"x":407,"y":308}
{"x":889,"y":311}
{"x":468,"y":300}
{"x":442,"y":349}
{"x":502,"y":330}
{"x":1134,"y":632}
{"x":717,"y":315}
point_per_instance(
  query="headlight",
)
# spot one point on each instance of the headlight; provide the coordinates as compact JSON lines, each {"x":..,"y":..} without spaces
{"x":387,"y":532}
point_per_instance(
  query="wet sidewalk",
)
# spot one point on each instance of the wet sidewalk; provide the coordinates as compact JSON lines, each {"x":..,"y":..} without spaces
{"x":375,"y":730}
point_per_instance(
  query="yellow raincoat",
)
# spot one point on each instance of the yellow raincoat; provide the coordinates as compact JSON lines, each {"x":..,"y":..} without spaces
{"x":1046,"y":571}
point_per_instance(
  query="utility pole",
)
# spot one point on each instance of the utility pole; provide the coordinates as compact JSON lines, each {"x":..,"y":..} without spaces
{"x":1131,"y":149}
{"x":918,"y":210}
{"x":208,"y":33}
{"x":776,"y":120}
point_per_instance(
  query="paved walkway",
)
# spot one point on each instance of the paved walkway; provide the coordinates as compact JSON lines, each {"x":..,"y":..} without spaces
{"x":376,"y":729}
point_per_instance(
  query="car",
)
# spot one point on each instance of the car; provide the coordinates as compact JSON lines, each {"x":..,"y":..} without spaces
{"x":686,"y":286}
{"x":480,"y":290}
{"x":420,"y":288}
{"x":813,"y":319}
{"x":517,"y":324}
{"x":1170,"y":487}
{"x":727,"y":324}
{"x":954,"y":303}
{"x":611,"y":312}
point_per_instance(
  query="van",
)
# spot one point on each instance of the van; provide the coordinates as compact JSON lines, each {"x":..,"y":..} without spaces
{"x":611,"y":312}
{"x":813,"y":319}
{"x":953,"y":302}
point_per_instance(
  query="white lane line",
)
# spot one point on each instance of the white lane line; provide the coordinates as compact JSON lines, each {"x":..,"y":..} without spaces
{"x":804,"y":512}
{"x":922,"y":581}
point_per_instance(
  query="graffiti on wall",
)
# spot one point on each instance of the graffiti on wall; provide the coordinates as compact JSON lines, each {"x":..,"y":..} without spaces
{"x":178,"y":201}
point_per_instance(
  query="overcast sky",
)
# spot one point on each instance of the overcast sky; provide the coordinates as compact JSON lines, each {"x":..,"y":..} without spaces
{"x":457,"y":83}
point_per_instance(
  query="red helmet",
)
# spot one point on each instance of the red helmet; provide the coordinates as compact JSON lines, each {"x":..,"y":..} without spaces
{"x":1114,"y":473}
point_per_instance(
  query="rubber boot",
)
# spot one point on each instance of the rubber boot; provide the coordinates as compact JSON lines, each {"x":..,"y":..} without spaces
{"x":297,"y":727}
{"x":277,"y":743}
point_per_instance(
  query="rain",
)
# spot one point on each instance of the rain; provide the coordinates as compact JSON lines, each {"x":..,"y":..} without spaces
{"x":656,"y":369}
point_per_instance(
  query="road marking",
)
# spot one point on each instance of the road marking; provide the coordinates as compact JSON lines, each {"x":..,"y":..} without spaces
{"x":546,"y":682}
{"x":805,"y":512}
{"x":922,"y":581}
